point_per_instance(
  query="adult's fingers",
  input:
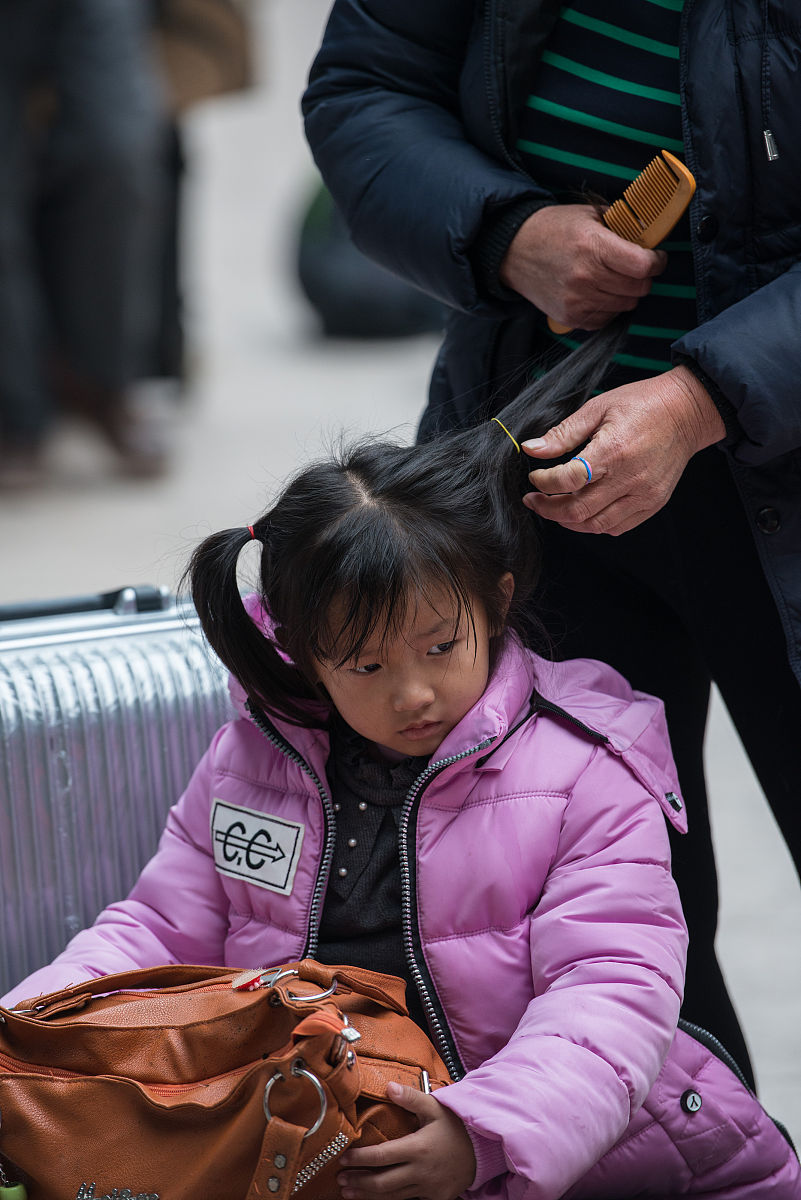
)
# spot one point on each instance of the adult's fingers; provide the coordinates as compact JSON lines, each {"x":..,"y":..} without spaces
{"x":566,"y":262}
{"x":637,"y":440}
{"x":572,"y":509}
{"x":566,"y":477}
{"x":574,"y":431}
{"x":627,"y":258}
{"x":618,"y":516}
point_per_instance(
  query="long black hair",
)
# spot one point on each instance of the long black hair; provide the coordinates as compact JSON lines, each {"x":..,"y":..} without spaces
{"x":377,"y":524}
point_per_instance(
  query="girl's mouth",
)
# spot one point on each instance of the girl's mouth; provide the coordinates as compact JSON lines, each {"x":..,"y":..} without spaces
{"x":420,"y":730}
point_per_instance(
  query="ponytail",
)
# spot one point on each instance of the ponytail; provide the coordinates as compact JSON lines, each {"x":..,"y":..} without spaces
{"x":365,"y":531}
{"x":537,"y":407}
{"x":485,"y":467}
{"x":251,"y":657}
{"x":548,"y":400}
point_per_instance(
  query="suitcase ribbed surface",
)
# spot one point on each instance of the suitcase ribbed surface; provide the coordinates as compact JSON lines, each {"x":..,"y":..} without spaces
{"x":102,"y":722}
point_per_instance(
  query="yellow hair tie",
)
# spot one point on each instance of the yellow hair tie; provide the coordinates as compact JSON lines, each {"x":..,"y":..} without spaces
{"x":506,"y":431}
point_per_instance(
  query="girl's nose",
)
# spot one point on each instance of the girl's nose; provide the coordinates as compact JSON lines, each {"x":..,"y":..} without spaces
{"x":412,"y":694}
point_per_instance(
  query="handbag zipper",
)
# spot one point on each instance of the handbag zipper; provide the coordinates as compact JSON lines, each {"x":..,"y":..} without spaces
{"x":158,"y":1089}
{"x":24,"y":1068}
{"x":222,"y":985}
{"x":273,"y":736}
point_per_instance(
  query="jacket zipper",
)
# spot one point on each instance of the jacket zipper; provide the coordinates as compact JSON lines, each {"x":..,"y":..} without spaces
{"x":540,"y":702}
{"x":717,"y":1048}
{"x":411,"y":933}
{"x":714,"y":1046}
{"x":771,"y":149}
{"x":494,"y":112}
{"x":264,"y":726}
{"x":434,"y":1013}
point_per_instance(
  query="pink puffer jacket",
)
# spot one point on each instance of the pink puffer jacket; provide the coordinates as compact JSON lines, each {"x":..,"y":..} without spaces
{"x":541,"y":921}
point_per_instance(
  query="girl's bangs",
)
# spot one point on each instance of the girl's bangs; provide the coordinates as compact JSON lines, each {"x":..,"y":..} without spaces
{"x":377,"y":606}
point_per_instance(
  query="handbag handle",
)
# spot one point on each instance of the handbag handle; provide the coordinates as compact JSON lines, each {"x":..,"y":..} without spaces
{"x":385,"y":989}
{"x":141,"y":978}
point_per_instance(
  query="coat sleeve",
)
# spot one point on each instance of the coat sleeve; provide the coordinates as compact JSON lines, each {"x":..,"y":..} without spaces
{"x":752,"y":354}
{"x":160,"y":921}
{"x":608,"y":944}
{"x":383,"y":121}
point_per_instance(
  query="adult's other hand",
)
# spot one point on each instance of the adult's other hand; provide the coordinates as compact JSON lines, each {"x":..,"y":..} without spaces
{"x":639,"y":438}
{"x":565,"y":261}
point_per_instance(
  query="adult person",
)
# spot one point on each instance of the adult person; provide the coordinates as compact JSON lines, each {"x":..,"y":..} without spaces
{"x":455,"y":138}
{"x":81,"y":216}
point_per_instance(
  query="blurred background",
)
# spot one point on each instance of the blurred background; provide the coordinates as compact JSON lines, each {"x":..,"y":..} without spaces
{"x":160,"y":375}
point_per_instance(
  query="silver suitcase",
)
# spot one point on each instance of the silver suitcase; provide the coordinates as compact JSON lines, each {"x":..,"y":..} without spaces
{"x":106,"y":705}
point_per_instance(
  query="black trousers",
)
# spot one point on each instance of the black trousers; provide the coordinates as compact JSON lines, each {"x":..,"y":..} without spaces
{"x":676,"y":604}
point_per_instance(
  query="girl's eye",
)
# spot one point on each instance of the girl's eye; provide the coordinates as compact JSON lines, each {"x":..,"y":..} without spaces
{"x":443,"y":647}
{"x":366,"y":669}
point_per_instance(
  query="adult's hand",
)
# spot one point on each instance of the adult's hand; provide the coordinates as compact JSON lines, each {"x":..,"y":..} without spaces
{"x":639,"y":438}
{"x":565,"y":261}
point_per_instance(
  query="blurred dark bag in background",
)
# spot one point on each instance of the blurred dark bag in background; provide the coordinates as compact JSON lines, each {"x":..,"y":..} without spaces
{"x":353,"y":296}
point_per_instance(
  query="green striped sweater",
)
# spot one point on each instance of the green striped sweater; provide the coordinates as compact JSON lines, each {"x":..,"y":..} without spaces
{"x":603,"y":101}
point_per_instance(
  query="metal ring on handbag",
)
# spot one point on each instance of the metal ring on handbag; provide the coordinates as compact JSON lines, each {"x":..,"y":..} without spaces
{"x":317,"y":995}
{"x":299,"y":1071}
{"x":270,"y":980}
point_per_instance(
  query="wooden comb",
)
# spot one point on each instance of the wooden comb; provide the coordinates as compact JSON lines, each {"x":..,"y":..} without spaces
{"x":649,"y":208}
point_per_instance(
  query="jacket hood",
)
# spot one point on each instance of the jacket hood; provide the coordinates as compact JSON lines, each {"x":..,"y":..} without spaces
{"x":587,"y":693}
{"x":632,"y":722}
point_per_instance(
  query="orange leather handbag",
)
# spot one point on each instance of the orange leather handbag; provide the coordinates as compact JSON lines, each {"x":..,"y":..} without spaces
{"x":200,"y":1083}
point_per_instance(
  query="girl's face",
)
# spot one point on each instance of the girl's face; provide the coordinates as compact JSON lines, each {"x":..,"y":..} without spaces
{"x":406,"y":695}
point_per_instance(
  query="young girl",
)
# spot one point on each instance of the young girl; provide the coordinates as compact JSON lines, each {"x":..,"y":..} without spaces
{"x":407,"y":787}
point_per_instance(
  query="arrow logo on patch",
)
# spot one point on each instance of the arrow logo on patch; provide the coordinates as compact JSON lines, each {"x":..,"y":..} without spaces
{"x":253,"y":851}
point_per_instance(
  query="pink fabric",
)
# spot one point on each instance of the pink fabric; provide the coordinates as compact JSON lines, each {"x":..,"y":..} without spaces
{"x":549,"y":922}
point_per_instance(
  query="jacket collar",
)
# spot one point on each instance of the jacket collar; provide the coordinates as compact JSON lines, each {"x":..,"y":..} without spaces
{"x":583,"y":692}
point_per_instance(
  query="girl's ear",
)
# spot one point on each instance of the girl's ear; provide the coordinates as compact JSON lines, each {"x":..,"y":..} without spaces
{"x":506,"y":588}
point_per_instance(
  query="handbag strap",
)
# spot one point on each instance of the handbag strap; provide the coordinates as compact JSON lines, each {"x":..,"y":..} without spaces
{"x":277,"y":1168}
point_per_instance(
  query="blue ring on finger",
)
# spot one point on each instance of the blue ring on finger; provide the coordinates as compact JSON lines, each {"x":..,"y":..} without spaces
{"x":585,"y":465}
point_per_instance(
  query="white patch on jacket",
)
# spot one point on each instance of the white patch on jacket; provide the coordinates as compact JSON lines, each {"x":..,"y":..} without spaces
{"x":255,"y":847}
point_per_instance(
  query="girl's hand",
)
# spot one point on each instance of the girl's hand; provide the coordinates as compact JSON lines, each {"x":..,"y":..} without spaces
{"x":434,"y":1163}
{"x":639,"y":438}
{"x":565,"y":261}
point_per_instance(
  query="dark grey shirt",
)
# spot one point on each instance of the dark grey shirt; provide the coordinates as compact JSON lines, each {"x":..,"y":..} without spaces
{"x":361,"y":920}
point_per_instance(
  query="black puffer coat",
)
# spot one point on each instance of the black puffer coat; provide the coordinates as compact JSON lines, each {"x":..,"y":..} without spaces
{"x":410,"y":113}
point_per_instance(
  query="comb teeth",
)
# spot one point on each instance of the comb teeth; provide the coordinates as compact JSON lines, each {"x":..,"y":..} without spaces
{"x":651,"y":191}
{"x":622,"y":221}
{"x":652,"y":203}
